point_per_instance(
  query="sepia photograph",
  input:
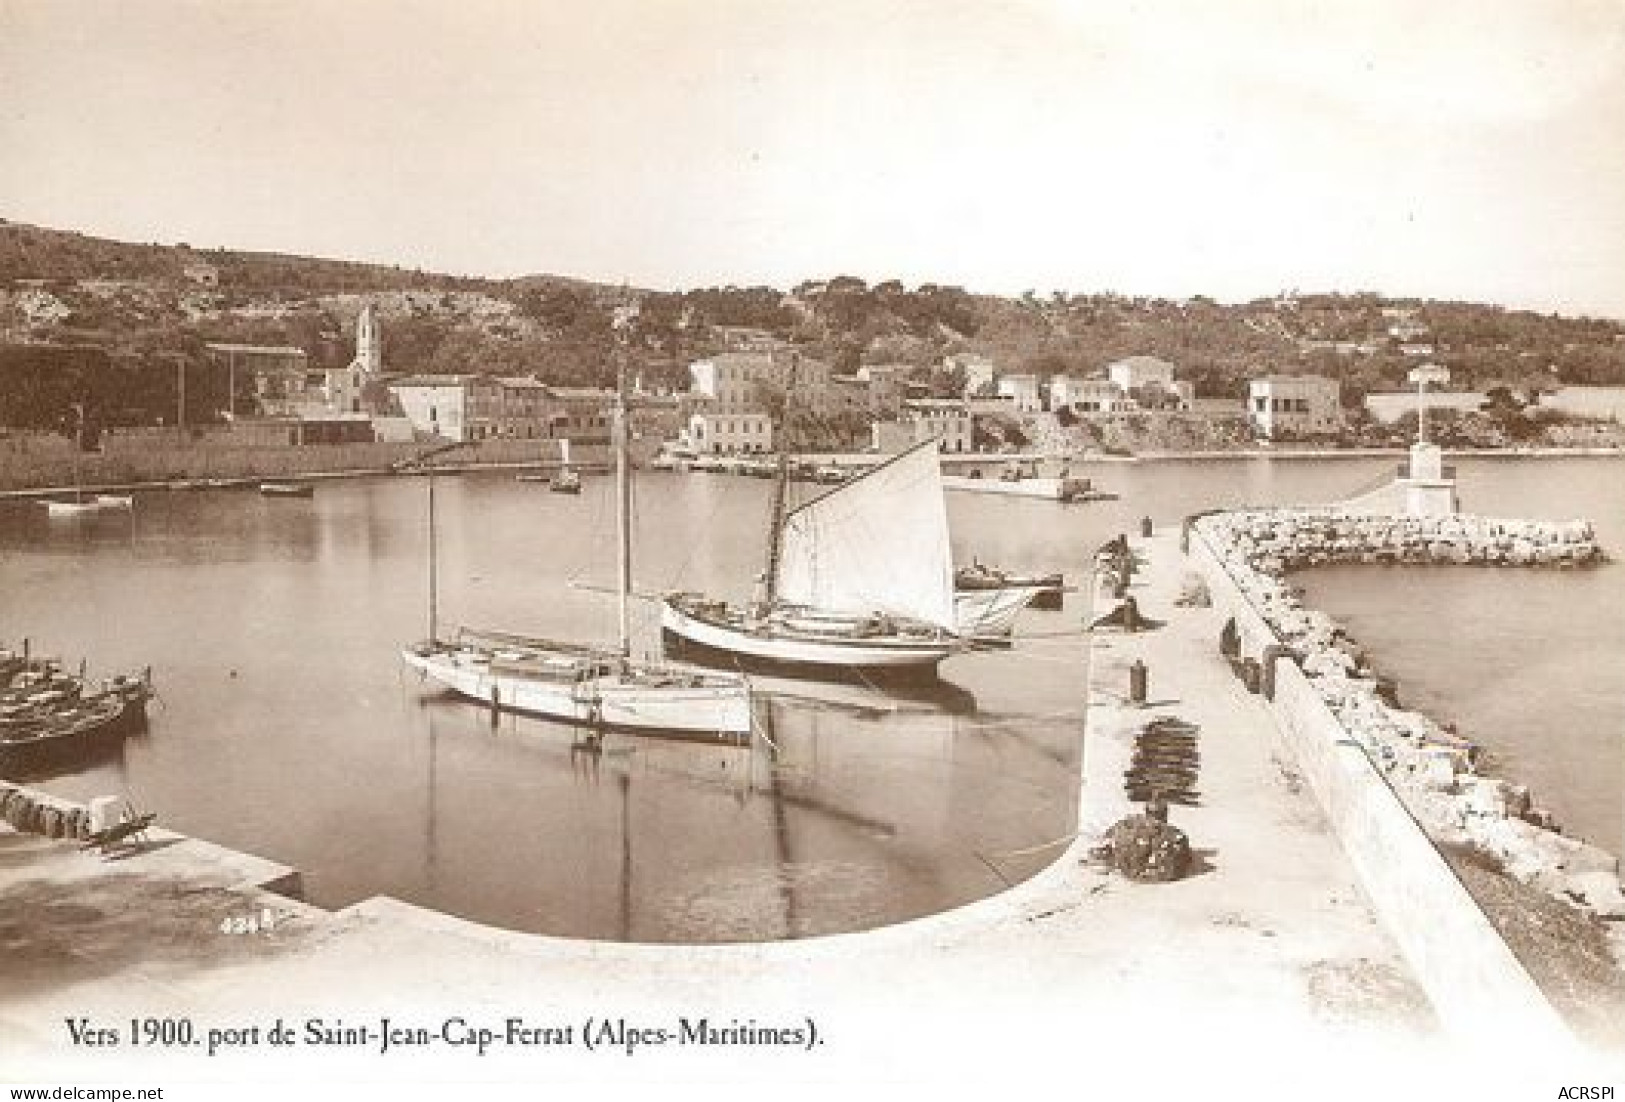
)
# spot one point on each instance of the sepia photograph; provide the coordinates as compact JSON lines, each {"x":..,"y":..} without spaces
{"x":736,"y":545}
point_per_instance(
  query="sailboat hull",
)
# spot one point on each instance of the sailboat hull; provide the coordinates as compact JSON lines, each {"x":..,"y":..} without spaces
{"x":601,"y":701}
{"x":776,"y":646}
{"x":71,"y":509}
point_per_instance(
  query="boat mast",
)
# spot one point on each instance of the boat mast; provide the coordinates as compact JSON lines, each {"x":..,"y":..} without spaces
{"x":78,"y":451}
{"x":775,"y":535}
{"x":434,"y":566}
{"x":425,"y":461}
{"x":623,"y":487}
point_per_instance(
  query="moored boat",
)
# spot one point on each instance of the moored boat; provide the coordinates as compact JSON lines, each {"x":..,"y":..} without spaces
{"x":977,"y":577}
{"x":595,"y":686}
{"x":567,"y":481}
{"x":71,"y":510}
{"x":583,"y":685}
{"x":46,"y":714}
{"x":859,"y":578}
{"x":287,"y":489}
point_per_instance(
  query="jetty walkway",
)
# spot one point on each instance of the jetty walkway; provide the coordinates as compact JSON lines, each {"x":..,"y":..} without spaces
{"x":1268,"y":957}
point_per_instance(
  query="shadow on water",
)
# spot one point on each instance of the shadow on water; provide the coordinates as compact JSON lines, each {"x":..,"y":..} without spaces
{"x":290,"y":732}
{"x":102,"y":752}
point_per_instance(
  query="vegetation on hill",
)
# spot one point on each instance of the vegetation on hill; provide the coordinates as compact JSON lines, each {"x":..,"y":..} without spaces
{"x":148,"y":308}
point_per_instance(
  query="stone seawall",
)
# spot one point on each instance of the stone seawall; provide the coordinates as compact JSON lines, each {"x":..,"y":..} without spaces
{"x":1431,"y":769}
{"x":33,"y":463}
{"x":1360,"y":768}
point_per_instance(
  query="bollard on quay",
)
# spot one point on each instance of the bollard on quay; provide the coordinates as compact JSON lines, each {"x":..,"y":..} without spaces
{"x":1273,"y":654}
{"x":1138,"y":682}
{"x":1250,"y":675}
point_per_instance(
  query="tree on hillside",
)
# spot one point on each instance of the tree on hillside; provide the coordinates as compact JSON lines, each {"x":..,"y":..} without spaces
{"x":558,"y":308}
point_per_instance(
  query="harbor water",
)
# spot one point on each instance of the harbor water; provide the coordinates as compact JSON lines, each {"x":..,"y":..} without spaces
{"x":287,"y":727}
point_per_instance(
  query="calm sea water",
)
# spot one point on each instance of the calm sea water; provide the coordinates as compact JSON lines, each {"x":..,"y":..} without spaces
{"x":1530,"y":663}
{"x":287,"y":727}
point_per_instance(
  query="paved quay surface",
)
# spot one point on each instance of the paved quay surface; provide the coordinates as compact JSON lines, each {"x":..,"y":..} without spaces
{"x":1268,"y":954}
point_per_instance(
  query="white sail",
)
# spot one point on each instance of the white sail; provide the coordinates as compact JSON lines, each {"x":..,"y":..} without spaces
{"x":877,"y":544}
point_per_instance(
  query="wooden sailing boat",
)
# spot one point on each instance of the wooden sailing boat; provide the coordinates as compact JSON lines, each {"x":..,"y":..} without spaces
{"x":79,"y":505}
{"x":584,"y":684}
{"x":860,"y":578}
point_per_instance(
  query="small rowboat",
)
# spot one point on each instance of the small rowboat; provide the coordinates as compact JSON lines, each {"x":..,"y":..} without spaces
{"x":287,"y":489}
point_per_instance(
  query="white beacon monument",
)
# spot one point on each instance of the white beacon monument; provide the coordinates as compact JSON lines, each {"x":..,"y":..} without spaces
{"x":1429,"y":489}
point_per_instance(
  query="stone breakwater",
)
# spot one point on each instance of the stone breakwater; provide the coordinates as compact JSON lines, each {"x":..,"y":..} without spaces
{"x":1433,"y":770}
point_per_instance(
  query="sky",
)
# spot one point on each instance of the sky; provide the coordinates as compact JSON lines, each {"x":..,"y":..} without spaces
{"x":1461,"y":149}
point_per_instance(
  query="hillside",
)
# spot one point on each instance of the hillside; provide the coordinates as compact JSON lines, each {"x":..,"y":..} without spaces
{"x":147,"y":307}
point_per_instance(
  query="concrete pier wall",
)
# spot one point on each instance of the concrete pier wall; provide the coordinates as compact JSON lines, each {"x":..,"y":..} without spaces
{"x":37,"y":462}
{"x":1475,"y":982}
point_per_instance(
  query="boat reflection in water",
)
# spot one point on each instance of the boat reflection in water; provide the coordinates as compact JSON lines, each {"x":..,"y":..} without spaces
{"x":839,"y":813}
{"x":103,"y":753}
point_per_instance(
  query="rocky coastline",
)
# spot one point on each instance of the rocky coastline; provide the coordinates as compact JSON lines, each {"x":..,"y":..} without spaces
{"x":1433,"y":770}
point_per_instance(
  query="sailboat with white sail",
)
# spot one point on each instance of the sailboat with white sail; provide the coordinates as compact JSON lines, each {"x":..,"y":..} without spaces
{"x":600,"y":687}
{"x":858,"y":579}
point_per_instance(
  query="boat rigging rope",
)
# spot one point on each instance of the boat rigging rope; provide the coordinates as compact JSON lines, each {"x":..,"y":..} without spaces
{"x":1054,"y":843}
{"x":1025,"y":720}
{"x":760,"y":731}
{"x":694,"y":545}
{"x":595,"y":529}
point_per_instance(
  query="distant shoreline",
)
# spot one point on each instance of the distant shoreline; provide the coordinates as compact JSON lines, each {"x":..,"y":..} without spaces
{"x":1368,"y":453}
{"x":188,"y":481}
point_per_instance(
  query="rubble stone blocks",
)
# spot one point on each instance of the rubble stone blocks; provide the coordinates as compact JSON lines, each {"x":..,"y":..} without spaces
{"x":1433,"y":770}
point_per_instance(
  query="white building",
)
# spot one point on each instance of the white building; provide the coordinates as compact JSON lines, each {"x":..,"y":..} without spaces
{"x":346,"y":387}
{"x":1097,"y":395}
{"x":738,"y":381}
{"x":1138,"y":371}
{"x":453,"y":407}
{"x":979,"y":370}
{"x":1148,"y":383}
{"x":946,"y":420}
{"x":1294,"y":405}
{"x":1087,"y":395}
{"x":1024,"y":392}
{"x":740,"y":432}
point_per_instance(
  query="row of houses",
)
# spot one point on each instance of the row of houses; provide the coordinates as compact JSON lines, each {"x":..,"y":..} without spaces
{"x":731,"y":396}
{"x":487,"y":407}
{"x":1127,"y":386}
{"x":1276,"y":405}
{"x":735,"y":397}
